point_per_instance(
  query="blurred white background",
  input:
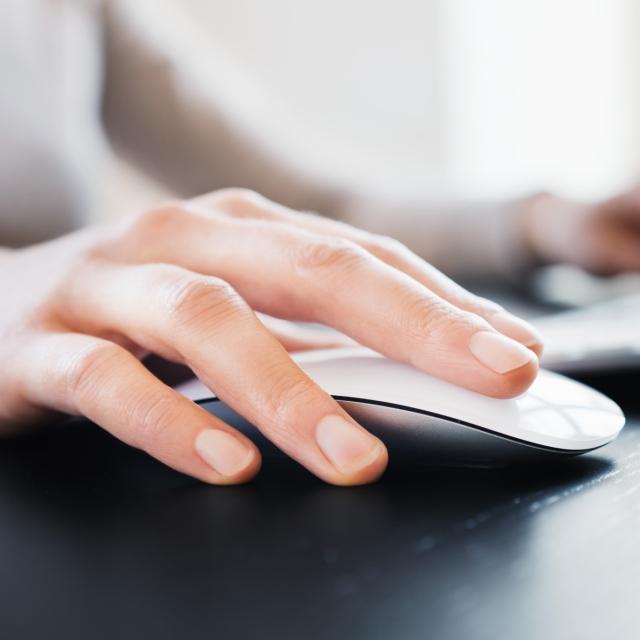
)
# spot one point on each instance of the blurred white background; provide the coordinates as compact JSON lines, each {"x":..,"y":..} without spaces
{"x":482,"y":98}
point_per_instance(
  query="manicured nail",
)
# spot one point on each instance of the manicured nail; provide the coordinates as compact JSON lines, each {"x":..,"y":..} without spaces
{"x":347,"y":446}
{"x":498,"y":352}
{"x":223,"y":452}
{"x":516,"y":328}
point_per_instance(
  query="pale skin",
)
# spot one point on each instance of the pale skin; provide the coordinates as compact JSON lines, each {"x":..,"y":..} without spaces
{"x":206,"y":283}
{"x":602,"y":237}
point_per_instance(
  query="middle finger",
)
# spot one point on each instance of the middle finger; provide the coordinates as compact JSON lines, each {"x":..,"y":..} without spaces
{"x":288,"y":272}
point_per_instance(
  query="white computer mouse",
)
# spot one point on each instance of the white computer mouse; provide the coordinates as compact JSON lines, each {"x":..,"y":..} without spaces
{"x":419,"y":415}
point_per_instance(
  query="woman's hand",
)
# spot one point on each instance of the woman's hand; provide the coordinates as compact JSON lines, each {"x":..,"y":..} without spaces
{"x":185,"y":281}
{"x":602,"y":237}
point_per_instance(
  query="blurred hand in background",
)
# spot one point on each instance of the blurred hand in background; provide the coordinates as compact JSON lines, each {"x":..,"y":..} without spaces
{"x":602,"y":237}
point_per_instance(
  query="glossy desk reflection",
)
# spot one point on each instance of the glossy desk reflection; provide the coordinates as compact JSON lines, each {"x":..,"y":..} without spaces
{"x":99,"y":541}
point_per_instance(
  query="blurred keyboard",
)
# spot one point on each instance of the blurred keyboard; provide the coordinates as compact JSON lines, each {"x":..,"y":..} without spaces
{"x":599,"y":337}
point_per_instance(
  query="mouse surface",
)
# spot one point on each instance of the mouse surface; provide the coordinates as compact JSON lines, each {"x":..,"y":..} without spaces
{"x":434,"y":421}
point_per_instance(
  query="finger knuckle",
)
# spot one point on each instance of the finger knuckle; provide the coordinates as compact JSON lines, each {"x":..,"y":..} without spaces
{"x":152,"y":416}
{"x":327,"y":254}
{"x":483,"y":305}
{"x":288,"y":396}
{"x":157,"y":220}
{"x":386,"y":248}
{"x":190,"y":299}
{"x":88,"y":368}
{"x":236,"y":200}
{"x":433,"y":320}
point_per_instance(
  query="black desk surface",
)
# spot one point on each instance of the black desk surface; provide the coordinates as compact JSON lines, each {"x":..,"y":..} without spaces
{"x":99,"y":541}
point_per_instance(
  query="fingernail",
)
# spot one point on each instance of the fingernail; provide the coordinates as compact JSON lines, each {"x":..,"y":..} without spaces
{"x":347,"y":446}
{"x":223,"y":452}
{"x":499,"y":352}
{"x":516,"y":328}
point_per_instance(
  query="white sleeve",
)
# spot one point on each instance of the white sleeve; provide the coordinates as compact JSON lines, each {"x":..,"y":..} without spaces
{"x":459,"y":236}
{"x":201,"y":129}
